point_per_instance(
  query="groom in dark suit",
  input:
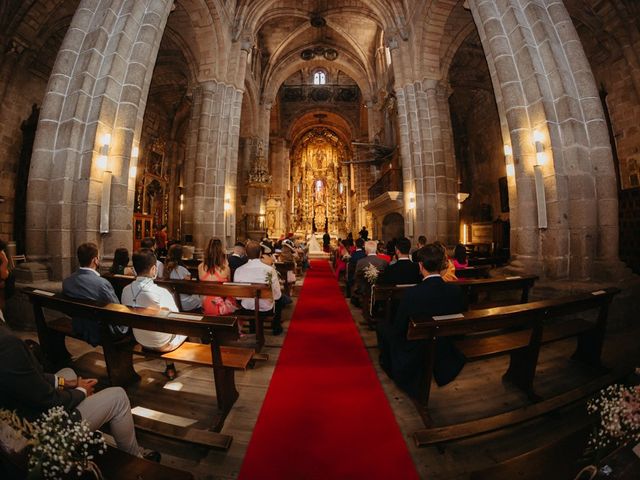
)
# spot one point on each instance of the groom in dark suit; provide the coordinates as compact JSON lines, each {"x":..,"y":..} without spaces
{"x":87,"y":284}
{"x":403,"y":359}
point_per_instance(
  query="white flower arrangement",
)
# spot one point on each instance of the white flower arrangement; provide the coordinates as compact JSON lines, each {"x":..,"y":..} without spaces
{"x":371,"y":273}
{"x":619,"y":409}
{"x":58,"y":446}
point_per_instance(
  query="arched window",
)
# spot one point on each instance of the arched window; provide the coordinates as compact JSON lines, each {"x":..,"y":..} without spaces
{"x":319,"y":78}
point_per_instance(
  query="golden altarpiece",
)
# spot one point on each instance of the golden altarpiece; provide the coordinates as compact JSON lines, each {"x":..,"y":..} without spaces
{"x":151,"y":206}
{"x":320,"y":183}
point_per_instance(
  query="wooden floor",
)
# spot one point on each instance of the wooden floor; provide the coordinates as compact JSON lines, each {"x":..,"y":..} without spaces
{"x":477,"y":392}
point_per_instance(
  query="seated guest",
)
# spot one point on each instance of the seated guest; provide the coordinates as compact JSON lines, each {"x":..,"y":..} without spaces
{"x":31,"y":392}
{"x":448,"y":269}
{"x":175,"y":270}
{"x":215,"y":268}
{"x":150,"y":244}
{"x":120,"y":265}
{"x":382,"y":252}
{"x":256,"y":271}
{"x":266,"y":254}
{"x":143,"y":292}
{"x":87,"y":284}
{"x":422,"y":241}
{"x":460,"y":259}
{"x":371,"y":248}
{"x":237,"y":257}
{"x":289,"y":252}
{"x":403,"y":359}
{"x":356,"y":255}
{"x":404,"y":271}
{"x":342,"y":257}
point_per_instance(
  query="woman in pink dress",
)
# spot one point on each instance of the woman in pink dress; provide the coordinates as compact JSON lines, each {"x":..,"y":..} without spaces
{"x":460,"y":259}
{"x":342,"y":257}
{"x":215,"y":268}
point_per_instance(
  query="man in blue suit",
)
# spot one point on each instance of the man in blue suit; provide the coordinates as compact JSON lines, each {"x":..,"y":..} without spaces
{"x":403,"y":359}
{"x":87,"y":284}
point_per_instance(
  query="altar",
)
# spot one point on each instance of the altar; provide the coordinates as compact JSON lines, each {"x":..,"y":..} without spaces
{"x":320,"y":184}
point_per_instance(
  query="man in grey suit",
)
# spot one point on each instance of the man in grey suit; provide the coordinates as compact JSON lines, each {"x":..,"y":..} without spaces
{"x":87,"y":284}
{"x":28,"y":390}
{"x":370,"y":248}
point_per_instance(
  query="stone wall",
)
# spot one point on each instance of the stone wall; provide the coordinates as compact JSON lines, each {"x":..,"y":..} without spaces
{"x":26,"y":90}
{"x":479,"y":151}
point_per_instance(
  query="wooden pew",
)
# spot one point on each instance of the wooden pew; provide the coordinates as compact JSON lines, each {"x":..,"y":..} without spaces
{"x":215,"y":332}
{"x":479,"y":271}
{"x":472,"y":288}
{"x":256,"y":291}
{"x":518,"y":330}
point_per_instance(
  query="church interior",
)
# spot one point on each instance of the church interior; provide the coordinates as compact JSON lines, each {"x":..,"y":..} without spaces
{"x":501,"y":136}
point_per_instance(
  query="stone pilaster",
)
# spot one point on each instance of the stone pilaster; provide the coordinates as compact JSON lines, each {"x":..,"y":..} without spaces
{"x":428,"y":166}
{"x":215,"y":162}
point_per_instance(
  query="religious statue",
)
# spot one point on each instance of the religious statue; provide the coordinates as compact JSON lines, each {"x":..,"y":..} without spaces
{"x":318,"y":194}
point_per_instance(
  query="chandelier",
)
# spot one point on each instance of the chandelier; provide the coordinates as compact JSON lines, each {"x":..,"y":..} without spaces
{"x":259,"y":176}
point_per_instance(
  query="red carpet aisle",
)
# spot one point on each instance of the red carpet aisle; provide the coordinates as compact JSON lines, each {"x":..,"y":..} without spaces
{"x":325,"y":415}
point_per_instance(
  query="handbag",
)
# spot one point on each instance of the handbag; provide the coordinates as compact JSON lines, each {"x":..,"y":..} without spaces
{"x":291,"y":276}
{"x":225,"y":306}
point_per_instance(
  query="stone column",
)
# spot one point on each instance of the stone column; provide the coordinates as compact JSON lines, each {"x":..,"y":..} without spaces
{"x":428,"y":174}
{"x":216,"y":161}
{"x":280,"y":170}
{"x":190,"y":161}
{"x":543,"y":82}
{"x":98,"y":85}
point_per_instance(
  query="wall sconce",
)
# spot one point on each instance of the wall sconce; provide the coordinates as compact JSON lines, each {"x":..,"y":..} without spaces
{"x":229,"y":218}
{"x":103,"y":155}
{"x":181,"y":202}
{"x":133,"y":170}
{"x":103,"y":163}
{"x":462,"y":196}
{"x":539,"y":180}
{"x":411,"y":212}
{"x":412,"y":201}
{"x":508,"y":159}
{"x":538,"y":138}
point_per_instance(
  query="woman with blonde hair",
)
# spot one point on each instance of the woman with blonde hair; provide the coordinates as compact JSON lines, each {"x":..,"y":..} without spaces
{"x":448,"y":272}
{"x":215,"y":268}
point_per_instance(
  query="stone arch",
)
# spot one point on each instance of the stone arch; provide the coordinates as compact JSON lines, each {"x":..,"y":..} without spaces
{"x":204,"y":16}
{"x":250,"y":14}
{"x":343,"y":127}
{"x":98,"y":86}
{"x":292,"y":63}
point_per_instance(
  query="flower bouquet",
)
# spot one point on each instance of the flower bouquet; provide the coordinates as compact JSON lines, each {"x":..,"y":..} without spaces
{"x":57,"y":445}
{"x":371,"y":273}
{"x":618,"y":407}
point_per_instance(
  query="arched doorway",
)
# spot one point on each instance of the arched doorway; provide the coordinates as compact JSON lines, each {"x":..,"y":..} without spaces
{"x":392,"y":226}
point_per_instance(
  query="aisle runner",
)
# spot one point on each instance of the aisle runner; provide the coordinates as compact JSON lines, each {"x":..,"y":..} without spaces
{"x":325,"y":415}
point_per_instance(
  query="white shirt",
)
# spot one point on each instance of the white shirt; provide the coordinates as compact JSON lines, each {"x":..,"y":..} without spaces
{"x":90,"y":269}
{"x":143,"y":292}
{"x":255,"y":271}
